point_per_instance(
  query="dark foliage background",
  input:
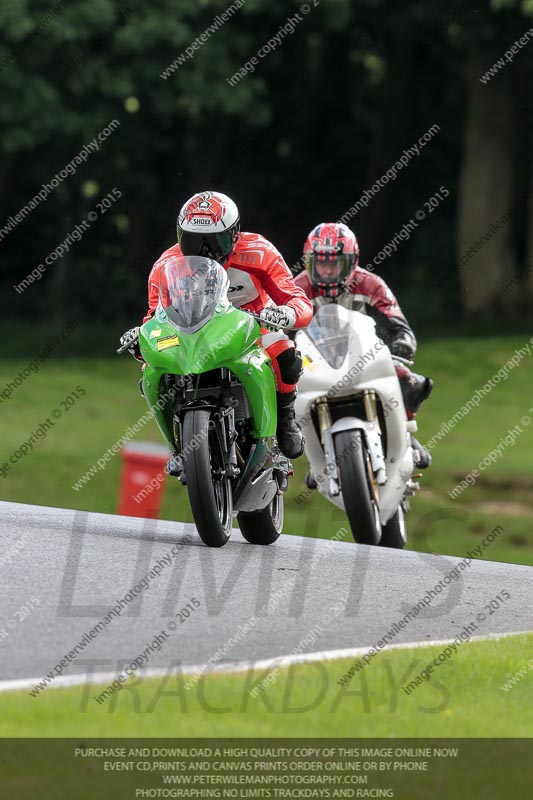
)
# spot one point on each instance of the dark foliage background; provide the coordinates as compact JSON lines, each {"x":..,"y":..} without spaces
{"x":294,"y":143}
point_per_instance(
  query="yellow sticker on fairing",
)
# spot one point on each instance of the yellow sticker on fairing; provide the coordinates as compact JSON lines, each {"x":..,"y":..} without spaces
{"x":168,"y":341}
{"x":155,"y":333}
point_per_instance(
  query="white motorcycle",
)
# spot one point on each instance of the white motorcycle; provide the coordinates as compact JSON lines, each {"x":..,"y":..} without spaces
{"x":357,"y":436}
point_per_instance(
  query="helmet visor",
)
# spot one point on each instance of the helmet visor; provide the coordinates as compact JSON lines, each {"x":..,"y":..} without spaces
{"x":330,"y":270}
{"x":209,"y":245}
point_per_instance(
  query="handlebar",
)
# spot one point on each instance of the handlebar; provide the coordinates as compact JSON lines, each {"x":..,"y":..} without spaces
{"x":258,"y":319}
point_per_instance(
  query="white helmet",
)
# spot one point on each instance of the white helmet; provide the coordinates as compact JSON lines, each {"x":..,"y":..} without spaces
{"x":208,"y":225}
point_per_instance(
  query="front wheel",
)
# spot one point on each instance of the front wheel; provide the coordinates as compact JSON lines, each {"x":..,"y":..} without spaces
{"x":359,"y":489}
{"x":208,"y":487}
{"x":265,"y":526}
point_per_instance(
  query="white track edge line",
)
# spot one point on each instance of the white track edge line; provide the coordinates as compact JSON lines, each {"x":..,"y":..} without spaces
{"x":80,"y":679}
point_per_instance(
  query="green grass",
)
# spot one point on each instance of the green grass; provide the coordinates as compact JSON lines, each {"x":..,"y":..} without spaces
{"x":436,"y":522}
{"x":463,"y":699}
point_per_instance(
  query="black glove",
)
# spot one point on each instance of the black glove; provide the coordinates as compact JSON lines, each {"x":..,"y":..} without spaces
{"x":132,"y":336}
{"x":402,"y":348}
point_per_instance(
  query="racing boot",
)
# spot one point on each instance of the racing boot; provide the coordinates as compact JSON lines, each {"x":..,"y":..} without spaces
{"x":289,"y":435}
{"x":175,"y":465}
{"x":421,"y":456}
{"x":310,"y":481}
{"x":415,"y":389}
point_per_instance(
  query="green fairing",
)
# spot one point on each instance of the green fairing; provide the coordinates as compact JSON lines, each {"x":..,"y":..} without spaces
{"x":228,"y":340}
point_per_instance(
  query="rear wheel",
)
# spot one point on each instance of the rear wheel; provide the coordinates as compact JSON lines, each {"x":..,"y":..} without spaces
{"x":265,"y":526}
{"x":208,"y":487}
{"x":394,"y":532}
{"x":359,"y":488}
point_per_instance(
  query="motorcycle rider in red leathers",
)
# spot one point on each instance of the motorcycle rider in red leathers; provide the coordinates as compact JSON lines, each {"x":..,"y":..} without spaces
{"x":208,"y":225}
{"x":332,"y":274}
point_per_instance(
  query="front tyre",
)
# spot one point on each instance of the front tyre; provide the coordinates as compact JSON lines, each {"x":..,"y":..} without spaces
{"x":359,"y":490}
{"x":208,"y":487}
{"x":265,"y":526}
{"x":394,"y":532}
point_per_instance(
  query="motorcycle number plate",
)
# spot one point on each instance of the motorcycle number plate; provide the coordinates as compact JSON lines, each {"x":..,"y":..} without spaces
{"x":168,"y":341}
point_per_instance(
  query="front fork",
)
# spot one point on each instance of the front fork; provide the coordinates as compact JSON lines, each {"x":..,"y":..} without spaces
{"x":225,"y":431}
{"x":229,"y":434}
{"x":325,"y":422}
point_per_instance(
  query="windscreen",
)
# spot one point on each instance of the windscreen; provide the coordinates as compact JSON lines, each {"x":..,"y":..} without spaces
{"x":190,"y":289}
{"x":330,"y":334}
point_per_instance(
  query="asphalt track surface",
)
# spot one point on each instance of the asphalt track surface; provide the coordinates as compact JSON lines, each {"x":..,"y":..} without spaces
{"x":255,"y":602}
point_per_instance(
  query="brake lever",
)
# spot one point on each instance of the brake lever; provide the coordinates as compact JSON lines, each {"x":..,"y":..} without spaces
{"x":127,"y":346}
{"x":403,"y":360}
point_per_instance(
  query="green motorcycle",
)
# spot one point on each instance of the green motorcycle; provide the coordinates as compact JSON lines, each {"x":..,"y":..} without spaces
{"x":210,"y":386}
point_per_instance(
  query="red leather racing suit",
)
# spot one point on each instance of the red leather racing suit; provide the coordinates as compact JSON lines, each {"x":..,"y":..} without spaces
{"x":258,"y":275}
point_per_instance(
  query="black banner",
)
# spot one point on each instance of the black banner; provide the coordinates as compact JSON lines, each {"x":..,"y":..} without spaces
{"x":406,"y":769}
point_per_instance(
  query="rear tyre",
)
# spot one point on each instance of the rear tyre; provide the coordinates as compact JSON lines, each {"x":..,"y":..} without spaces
{"x":209,"y":494}
{"x":359,"y":490}
{"x":394,"y":532}
{"x":265,"y":526}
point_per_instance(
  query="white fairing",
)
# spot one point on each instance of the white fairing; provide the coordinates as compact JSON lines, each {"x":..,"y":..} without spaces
{"x":362,"y":361}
